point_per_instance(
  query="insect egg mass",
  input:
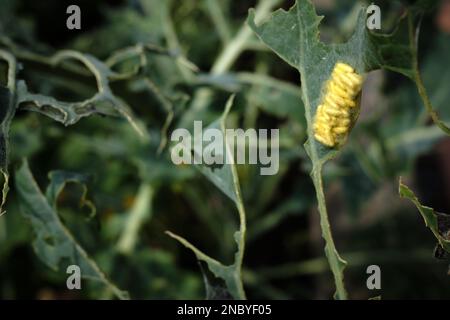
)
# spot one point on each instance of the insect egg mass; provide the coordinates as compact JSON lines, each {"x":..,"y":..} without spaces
{"x":339,"y":108}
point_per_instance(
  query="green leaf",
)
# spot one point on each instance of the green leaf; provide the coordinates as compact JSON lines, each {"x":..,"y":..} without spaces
{"x":220,"y":175}
{"x":226,"y":179}
{"x":4,"y":142}
{"x":394,"y":50}
{"x":215,"y":290}
{"x":294,"y":36}
{"x":103,"y":102}
{"x":229,"y":274}
{"x":276,"y":97}
{"x":59,"y":179}
{"x":54,"y":244}
{"x":435,"y":221}
{"x":7,"y":111}
{"x":398,"y":52}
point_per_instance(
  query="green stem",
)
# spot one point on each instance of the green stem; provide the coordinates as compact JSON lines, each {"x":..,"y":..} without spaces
{"x":413,"y":41}
{"x":226,"y":59}
{"x":356,"y":259}
{"x":173,"y":42}
{"x":337,"y":264}
{"x":235,"y":47}
{"x":240,"y":236}
{"x":240,"y":254}
{"x":335,"y":261}
{"x":219,"y":20}
{"x":140,"y":213}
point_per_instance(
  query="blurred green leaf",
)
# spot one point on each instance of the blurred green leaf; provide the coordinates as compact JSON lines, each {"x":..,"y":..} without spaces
{"x":54,"y":244}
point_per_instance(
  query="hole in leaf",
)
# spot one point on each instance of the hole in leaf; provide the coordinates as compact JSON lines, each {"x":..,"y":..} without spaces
{"x":50,"y":240}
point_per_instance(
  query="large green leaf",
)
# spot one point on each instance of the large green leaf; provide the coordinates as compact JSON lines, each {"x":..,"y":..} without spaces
{"x":53,"y":243}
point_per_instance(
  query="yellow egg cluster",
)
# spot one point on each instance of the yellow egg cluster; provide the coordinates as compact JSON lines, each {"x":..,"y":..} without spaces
{"x":336,"y":113}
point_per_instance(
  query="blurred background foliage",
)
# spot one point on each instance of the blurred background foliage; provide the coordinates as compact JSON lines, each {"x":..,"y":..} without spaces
{"x":139,"y":194}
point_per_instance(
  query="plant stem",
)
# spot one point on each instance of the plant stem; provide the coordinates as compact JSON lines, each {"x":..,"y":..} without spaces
{"x":240,"y":236}
{"x":356,"y":259}
{"x":337,"y":264}
{"x":234,"y":49}
{"x":413,"y":34}
{"x":226,"y":59}
{"x":219,"y":20}
{"x":335,"y":261}
{"x":140,"y":212}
